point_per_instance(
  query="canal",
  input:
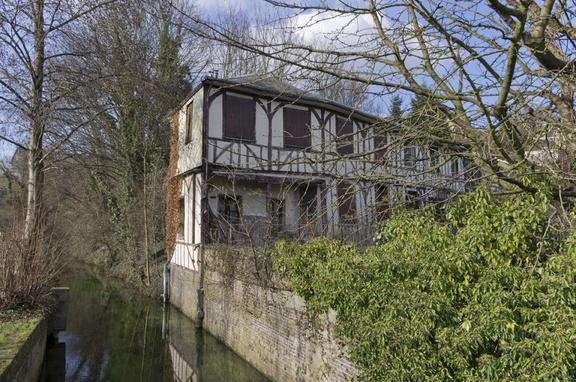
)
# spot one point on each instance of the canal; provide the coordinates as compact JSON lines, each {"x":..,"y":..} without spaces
{"x":115,"y":334}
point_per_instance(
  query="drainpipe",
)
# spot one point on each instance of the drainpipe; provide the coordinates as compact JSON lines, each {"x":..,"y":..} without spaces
{"x":204,"y":207}
{"x":200,"y":308}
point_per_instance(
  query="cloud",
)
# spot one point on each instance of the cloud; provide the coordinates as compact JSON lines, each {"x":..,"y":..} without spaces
{"x":338,"y":30}
{"x":217,"y":5}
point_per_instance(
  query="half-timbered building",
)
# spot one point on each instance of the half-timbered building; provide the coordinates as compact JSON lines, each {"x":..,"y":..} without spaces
{"x":260,"y":160}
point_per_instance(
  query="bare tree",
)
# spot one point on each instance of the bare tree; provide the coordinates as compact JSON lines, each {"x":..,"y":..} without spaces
{"x":491,"y":68}
{"x":33,"y":85}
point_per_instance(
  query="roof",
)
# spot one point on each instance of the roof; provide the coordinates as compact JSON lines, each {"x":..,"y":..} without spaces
{"x":274,"y":88}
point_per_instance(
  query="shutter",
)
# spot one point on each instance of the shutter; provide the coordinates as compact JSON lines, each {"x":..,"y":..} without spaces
{"x":345,"y":140}
{"x":297,"y":128}
{"x":239,"y":118}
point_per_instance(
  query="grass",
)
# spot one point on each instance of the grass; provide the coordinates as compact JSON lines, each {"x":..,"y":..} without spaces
{"x":15,"y":328}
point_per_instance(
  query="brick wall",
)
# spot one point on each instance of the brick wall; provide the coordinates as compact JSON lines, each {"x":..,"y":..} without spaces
{"x":266,"y":326}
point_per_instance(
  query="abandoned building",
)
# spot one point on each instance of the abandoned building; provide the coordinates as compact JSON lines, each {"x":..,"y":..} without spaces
{"x":260,"y":160}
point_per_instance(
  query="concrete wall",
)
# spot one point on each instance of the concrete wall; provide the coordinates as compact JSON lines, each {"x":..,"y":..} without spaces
{"x":26,"y":365}
{"x":266,"y":326}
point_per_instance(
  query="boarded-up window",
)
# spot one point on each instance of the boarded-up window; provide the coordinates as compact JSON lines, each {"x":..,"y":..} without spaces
{"x":347,"y":202}
{"x":345,"y":136}
{"x":189,"y":122}
{"x":239,"y":118}
{"x":297,"y":128}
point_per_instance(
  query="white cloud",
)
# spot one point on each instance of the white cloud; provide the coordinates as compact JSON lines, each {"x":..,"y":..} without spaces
{"x":337,"y":30}
{"x":217,"y":5}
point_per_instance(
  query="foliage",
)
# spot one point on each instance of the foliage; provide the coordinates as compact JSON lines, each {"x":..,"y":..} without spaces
{"x":483,"y":295}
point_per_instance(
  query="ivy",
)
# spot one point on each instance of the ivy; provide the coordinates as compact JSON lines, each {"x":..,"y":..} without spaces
{"x":481,"y":295}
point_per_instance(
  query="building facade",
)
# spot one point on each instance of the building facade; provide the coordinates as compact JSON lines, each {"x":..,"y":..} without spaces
{"x":260,"y":160}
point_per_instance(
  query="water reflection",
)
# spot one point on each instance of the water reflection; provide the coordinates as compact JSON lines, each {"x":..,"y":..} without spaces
{"x":113,"y":334}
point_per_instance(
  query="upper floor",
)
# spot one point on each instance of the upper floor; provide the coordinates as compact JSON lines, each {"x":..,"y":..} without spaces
{"x":262,"y":125}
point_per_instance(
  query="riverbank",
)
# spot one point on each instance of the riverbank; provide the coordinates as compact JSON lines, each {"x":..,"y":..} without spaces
{"x":22,"y":345}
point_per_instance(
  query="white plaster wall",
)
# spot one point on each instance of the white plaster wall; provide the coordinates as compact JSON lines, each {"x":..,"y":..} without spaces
{"x":190,"y":155}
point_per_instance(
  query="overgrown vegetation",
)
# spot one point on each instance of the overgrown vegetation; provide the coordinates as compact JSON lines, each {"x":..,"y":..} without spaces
{"x":486,"y":293}
{"x":27,"y":272}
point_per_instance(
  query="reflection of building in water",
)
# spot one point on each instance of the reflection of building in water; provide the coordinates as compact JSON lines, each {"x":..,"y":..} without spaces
{"x":184,"y":344}
{"x":180,"y":367}
{"x":196,"y":356}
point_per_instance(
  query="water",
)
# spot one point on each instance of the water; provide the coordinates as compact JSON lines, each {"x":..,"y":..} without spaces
{"x":114,"y":334}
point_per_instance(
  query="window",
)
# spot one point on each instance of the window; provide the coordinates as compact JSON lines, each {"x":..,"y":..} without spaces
{"x":434,"y":162}
{"x":409,"y":156}
{"x":181,"y":206}
{"x":308,"y":209}
{"x":229,"y":210}
{"x":412,"y":199}
{"x":345,"y":136}
{"x":382,"y":202}
{"x":380,"y":142}
{"x":189,"y":122}
{"x":276,"y":209}
{"x":297,"y":128}
{"x":455,"y":166}
{"x":347,"y":202}
{"x":239,"y":118}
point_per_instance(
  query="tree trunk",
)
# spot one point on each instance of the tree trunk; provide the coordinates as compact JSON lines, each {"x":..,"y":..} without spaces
{"x":37,"y":127}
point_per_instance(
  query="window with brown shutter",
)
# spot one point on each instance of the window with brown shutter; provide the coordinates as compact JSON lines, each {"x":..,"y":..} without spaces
{"x":380,"y":143}
{"x":239,"y":118}
{"x":297,"y":128}
{"x":345,"y":138}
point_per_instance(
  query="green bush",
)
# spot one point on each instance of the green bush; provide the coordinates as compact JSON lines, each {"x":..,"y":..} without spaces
{"x":482,"y":295}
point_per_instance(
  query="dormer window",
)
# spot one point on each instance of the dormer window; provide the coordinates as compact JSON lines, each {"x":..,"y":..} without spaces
{"x":239,"y":118}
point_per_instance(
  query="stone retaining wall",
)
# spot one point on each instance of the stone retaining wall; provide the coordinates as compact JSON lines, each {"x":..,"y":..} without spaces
{"x":266,"y":326}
